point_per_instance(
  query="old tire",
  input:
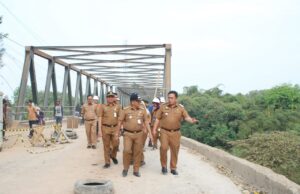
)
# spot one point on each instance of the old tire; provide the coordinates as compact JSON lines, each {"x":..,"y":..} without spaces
{"x":91,"y":186}
{"x":70,"y":133}
{"x":73,"y":137}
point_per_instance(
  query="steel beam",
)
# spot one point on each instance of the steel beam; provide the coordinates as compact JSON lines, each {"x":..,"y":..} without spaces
{"x":167,"y":72}
{"x":58,"y":61}
{"x":87,"y":88}
{"x":24,"y":79}
{"x":33,"y":81}
{"x":78,"y":82}
{"x":48,"y":82}
{"x":100,"y":46}
{"x":95,"y":88}
{"x":54,"y":86}
{"x":95,"y":61}
{"x":102,"y":93}
{"x":89,"y":53}
{"x":65,"y":85}
{"x":70,"y":91}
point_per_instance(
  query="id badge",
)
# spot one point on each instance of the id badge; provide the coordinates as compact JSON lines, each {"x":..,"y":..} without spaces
{"x":166,"y":114}
{"x":115,"y":114}
{"x":139,"y":121}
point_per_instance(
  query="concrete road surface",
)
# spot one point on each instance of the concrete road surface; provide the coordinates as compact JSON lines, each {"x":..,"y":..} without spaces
{"x":55,"y":172}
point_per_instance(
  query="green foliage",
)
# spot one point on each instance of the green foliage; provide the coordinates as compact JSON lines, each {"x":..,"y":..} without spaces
{"x":266,"y":116}
{"x":284,"y":97}
{"x":229,"y":117}
{"x":276,"y":150}
{"x":28,"y":96}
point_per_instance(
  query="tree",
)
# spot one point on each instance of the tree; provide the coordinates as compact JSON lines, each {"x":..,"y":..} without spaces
{"x":285,"y":96}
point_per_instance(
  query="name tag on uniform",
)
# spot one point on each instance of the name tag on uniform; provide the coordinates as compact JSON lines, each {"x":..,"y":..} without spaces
{"x":139,"y":121}
{"x":115,"y":114}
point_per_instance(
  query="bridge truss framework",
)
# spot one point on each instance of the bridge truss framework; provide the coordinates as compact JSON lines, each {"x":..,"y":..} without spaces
{"x":145,"y":69}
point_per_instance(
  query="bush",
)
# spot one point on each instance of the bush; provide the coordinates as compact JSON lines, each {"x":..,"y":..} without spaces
{"x":279,"y":151}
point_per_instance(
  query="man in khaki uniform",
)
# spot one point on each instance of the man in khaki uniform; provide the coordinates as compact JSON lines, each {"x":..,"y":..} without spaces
{"x":89,"y":112}
{"x":133,"y":119}
{"x":108,"y":123}
{"x":169,"y":117}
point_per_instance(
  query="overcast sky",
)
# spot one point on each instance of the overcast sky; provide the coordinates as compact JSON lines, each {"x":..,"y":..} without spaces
{"x":243,"y":45}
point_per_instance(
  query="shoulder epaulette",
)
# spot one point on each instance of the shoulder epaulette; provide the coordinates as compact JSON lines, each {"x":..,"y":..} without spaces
{"x":181,"y":105}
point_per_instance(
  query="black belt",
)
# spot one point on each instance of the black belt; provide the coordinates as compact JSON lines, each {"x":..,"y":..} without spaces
{"x":111,"y":126}
{"x":132,"y":131}
{"x":171,"y":130}
{"x":90,"y":119}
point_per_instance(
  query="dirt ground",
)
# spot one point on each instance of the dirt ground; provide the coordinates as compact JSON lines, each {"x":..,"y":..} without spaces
{"x":55,"y":172}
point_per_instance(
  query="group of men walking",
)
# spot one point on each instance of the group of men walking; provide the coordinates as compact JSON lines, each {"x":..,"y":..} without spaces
{"x":135,"y":123}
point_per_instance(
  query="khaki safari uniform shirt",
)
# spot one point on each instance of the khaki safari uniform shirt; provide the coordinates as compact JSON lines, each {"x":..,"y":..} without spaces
{"x":89,"y":112}
{"x":171,"y":117}
{"x":133,"y":119}
{"x":110,"y":114}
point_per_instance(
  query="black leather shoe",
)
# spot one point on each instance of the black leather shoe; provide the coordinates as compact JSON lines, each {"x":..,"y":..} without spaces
{"x":174,"y":172}
{"x":106,"y":166}
{"x":115,"y":161}
{"x":124,"y":173}
{"x":164,"y":170}
{"x":88,"y":147}
{"x":143,"y":163}
{"x":150,"y":144}
{"x":137,"y":174}
{"x":93,"y":146}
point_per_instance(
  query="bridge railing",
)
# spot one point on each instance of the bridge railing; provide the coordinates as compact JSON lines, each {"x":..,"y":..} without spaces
{"x":21,"y":116}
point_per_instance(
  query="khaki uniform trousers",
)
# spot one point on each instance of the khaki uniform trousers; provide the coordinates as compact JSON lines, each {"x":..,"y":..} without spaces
{"x":169,"y":140}
{"x":155,"y":137}
{"x":110,"y":143}
{"x":133,"y":148}
{"x":145,"y":135}
{"x":90,"y":128}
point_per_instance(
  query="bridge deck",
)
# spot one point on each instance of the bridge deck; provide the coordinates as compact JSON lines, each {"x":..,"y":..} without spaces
{"x":57,"y":171}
